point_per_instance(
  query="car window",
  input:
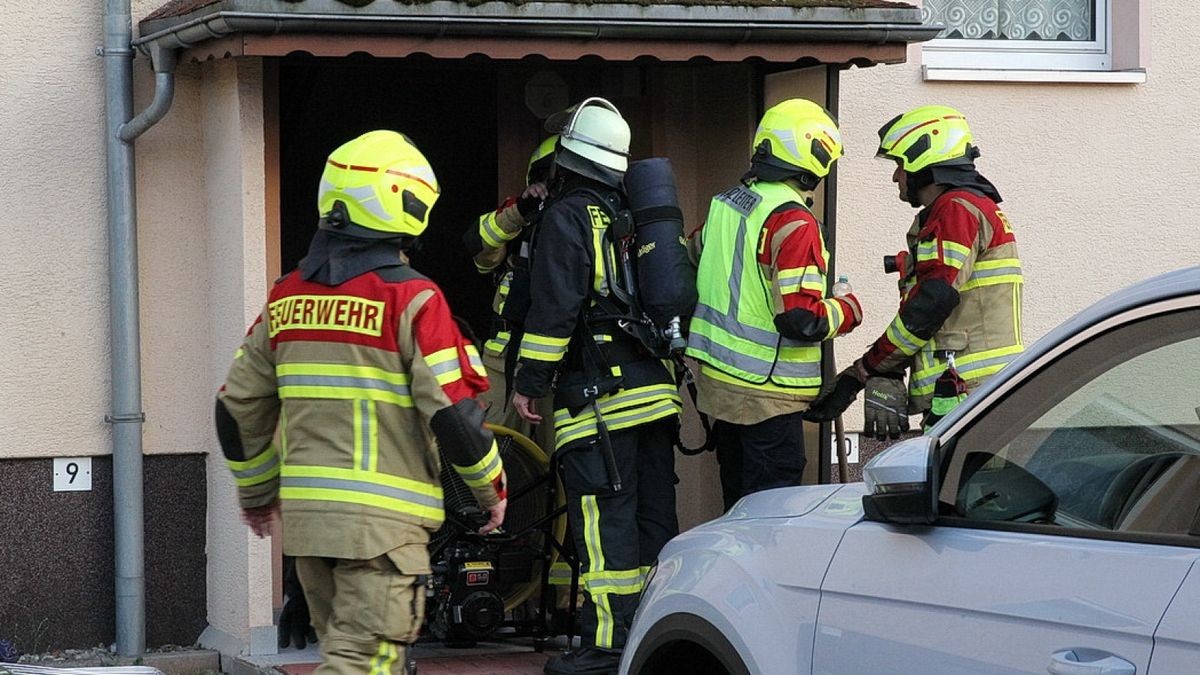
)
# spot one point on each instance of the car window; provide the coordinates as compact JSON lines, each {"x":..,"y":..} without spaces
{"x":1106,"y":438}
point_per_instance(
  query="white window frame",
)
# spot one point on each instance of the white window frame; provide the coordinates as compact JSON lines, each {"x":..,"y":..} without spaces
{"x":1028,"y":55}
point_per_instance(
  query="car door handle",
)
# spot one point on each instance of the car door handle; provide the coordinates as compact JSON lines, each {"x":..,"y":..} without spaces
{"x":1089,"y":662}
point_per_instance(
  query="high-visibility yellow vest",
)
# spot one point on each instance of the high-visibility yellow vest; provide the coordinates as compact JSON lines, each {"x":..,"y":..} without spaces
{"x":733,"y":329}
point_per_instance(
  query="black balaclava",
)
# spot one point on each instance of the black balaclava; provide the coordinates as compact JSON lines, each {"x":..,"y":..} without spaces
{"x":960,"y":173}
{"x":341,"y":250}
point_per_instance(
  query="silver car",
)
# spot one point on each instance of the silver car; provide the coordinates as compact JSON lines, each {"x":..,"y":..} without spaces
{"x":1050,"y":524}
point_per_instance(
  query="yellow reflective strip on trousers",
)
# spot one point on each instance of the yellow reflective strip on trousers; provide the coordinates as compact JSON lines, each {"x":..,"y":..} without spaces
{"x":595,"y":551}
{"x":620,"y":582}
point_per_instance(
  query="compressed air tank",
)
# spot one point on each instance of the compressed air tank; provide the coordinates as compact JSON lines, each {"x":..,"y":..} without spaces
{"x":666,"y":279}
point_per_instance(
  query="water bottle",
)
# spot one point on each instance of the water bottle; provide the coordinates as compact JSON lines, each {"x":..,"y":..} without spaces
{"x":842,"y":287}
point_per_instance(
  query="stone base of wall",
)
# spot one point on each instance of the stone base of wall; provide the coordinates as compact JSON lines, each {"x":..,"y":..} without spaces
{"x":56,"y":554}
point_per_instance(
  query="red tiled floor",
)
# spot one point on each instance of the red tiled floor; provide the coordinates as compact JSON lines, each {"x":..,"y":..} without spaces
{"x":521,"y":663}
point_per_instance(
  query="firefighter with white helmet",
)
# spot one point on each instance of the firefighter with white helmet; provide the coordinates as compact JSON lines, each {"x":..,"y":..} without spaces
{"x":616,"y":408}
{"x":357,"y":368}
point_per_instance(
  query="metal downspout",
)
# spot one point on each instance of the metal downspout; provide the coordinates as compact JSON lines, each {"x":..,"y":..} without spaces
{"x":126,"y":416}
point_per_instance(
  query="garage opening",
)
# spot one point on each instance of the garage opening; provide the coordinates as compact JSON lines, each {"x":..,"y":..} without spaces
{"x":448,"y":108}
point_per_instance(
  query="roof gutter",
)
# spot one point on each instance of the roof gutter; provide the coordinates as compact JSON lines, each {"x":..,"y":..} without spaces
{"x":223,"y":23}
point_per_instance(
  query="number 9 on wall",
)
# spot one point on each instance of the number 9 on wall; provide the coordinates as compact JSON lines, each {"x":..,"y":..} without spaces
{"x":73,"y":474}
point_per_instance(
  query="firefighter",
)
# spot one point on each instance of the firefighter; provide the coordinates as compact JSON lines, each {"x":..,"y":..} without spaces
{"x":960,"y":289}
{"x":359,"y":367}
{"x":616,"y":408}
{"x":763,"y":308}
{"x":495,"y":242}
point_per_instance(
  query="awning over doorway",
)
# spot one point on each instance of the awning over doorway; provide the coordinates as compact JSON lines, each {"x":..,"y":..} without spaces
{"x":783,"y":31}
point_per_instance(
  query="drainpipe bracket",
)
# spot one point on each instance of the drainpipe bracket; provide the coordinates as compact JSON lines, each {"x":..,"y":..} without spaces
{"x":123,"y":51}
{"x":136,"y":418}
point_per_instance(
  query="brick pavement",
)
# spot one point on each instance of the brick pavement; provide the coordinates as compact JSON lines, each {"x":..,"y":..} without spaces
{"x":476,"y":662}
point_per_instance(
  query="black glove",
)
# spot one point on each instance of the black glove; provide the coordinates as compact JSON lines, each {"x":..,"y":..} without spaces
{"x":885,"y":407}
{"x":835,"y":402}
{"x":528,"y":204}
{"x":295,"y":624}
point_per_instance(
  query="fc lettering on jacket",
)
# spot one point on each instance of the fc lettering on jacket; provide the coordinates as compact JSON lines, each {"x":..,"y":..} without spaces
{"x":326,"y":312}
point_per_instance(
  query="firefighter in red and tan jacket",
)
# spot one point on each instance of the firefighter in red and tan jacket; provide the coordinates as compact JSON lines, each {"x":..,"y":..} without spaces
{"x":959,"y":320}
{"x":338,"y":400}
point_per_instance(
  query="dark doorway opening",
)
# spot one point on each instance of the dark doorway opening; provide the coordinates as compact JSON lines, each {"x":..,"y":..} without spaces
{"x":447,"y":108}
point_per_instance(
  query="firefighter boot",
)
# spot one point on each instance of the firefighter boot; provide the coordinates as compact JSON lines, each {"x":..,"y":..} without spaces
{"x":585,"y":661}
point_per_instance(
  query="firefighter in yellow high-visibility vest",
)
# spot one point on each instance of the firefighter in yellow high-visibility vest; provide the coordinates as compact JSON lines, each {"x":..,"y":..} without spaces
{"x":764,"y":304}
{"x":357,"y":366}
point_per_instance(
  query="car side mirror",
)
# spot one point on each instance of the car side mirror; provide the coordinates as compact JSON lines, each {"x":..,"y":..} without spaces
{"x":902,"y":483}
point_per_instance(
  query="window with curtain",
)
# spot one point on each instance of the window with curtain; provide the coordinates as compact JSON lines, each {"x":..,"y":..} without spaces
{"x":1019,"y":34}
{"x":1068,"y":20}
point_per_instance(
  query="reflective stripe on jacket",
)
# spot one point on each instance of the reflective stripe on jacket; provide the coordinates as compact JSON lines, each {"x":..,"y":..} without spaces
{"x":349,"y":377}
{"x":574,"y":261}
{"x":733,"y":329}
{"x":984,"y":331}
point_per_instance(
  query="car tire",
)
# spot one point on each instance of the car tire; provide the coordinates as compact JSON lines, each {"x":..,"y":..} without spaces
{"x":686,"y":643}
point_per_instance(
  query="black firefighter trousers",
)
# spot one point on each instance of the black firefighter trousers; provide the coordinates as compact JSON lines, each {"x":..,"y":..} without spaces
{"x":618,"y":535}
{"x":755,"y":457}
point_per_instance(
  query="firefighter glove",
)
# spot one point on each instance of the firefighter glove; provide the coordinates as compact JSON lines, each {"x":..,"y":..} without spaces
{"x":885,"y":407}
{"x":835,"y":401}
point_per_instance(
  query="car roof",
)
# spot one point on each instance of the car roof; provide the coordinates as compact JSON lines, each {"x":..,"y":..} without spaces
{"x":1181,"y":282}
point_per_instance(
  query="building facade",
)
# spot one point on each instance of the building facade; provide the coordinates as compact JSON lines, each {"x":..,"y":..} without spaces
{"x":1096,"y":178}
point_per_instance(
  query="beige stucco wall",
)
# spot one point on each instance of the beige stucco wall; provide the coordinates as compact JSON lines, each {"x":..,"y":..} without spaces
{"x":1099,"y":181}
{"x":201,"y":252}
{"x":54,"y":260}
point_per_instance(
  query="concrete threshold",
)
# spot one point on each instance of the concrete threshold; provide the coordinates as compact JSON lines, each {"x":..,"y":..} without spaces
{"x":184,"y":662}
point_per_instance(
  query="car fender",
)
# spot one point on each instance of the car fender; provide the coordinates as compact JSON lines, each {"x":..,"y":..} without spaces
{"x":755,"y":580}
